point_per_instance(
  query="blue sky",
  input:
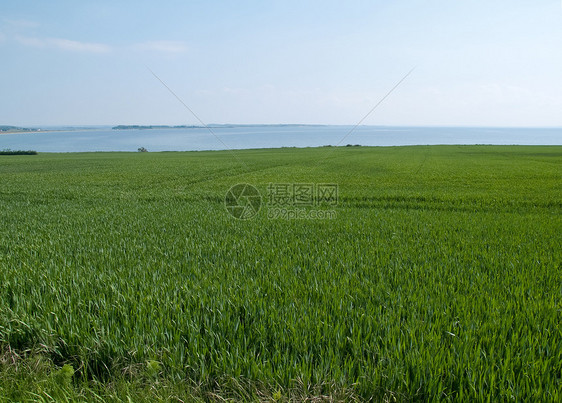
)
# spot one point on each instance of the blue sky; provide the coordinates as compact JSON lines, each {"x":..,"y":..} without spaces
{"x":479,"y":63}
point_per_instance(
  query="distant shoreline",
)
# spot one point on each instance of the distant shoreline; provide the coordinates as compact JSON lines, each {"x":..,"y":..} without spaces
{"x":211,"y":126}
{"x":23,"y":130}
{"x":17,"y":129}
{"x":5,"y":129}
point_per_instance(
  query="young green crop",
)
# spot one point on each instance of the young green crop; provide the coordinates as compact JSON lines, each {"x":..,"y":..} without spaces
{"x":438,"y":279}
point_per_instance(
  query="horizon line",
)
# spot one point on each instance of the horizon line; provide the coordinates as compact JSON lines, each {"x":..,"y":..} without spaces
{"x":39,"y":126}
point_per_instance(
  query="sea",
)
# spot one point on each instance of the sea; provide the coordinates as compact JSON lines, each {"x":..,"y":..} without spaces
{"x":102,"y":138}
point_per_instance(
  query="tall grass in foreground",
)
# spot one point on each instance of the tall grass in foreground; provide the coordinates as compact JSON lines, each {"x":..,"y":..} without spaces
{"x":438,"y":280}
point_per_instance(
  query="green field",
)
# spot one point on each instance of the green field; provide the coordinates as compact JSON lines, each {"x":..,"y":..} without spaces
{"x":439,"y":277}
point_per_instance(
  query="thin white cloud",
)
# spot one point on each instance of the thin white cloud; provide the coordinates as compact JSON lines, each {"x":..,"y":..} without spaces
{"x":67,"y":44}
{"x":162,"y":46}
{"x":63,"y":44}
{"x":171,"y":47}
{"x":35,"y":42}
{"x":20,"y":24}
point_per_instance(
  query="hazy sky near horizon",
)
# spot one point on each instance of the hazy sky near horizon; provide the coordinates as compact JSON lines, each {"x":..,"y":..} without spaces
{"x":479,"y":62}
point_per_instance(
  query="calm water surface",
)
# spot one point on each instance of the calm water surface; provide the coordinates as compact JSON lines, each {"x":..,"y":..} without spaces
{"x":106,"y":139}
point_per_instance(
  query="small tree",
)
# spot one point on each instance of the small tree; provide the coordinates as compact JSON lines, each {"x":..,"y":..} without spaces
{"x":142,"y":150}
